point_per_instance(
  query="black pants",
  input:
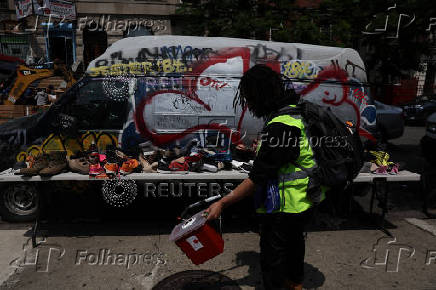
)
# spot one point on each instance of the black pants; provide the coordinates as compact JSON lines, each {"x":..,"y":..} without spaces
{"x":282,"y":248}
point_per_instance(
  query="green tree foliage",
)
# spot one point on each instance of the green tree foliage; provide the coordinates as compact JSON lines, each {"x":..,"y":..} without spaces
{"x":236,"y":18}
{"x":343,"y":23}
{"x":404,"y":42}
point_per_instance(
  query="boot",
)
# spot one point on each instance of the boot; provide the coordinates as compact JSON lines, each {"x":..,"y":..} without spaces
{"x":80,"y":165}
{"x":39,"y":163}
{"x":56,"y":165}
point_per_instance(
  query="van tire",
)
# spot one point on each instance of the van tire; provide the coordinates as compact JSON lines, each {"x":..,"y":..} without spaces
{"x":19,"y":202}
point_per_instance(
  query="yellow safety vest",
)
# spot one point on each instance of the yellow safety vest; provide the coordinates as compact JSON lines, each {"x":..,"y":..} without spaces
{"x":293,"y":181}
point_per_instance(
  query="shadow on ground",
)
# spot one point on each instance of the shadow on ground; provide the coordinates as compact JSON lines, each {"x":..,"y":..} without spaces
{"x":201,"y":279}
{"x":88,"y":215}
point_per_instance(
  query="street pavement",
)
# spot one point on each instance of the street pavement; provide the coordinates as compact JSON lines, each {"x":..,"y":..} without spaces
{"x":345,"y":251}
{"x":12,"y":241}
{"x":335,"y":259}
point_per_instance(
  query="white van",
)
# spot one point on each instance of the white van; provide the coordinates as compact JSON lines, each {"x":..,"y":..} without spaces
{"x":167,"y":89}
{"x":179,"y":83}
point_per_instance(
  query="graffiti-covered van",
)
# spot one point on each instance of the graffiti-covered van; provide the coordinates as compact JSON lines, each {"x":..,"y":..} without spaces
{"x":167,"y":89}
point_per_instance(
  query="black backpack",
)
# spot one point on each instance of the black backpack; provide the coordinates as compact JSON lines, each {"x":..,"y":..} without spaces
{"x":337,"y":149}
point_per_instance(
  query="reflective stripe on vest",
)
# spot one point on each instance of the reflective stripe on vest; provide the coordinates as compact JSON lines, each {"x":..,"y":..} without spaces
{"x":293,"y":181}
{"x":295,"y":175}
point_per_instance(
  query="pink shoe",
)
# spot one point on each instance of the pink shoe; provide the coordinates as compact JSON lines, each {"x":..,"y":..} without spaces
{"x":381,"y":170}
{"x":394,"y":169}
{"x":102,"y":158}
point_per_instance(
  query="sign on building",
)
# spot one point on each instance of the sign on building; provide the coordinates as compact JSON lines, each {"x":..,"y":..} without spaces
{"x":62,"y":9}
{"x":23,"y":8}
{"x":57,"y":8}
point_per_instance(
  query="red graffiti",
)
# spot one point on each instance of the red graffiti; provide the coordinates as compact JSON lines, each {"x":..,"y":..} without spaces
{"x":193,"y":78}
{"x":207,"y":81}
{"x":337,"y":75}
{"x":160,"y":139}
{"x":190,"y":81}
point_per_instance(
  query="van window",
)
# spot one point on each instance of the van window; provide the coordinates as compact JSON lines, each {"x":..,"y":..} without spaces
{"x":101,"y":104}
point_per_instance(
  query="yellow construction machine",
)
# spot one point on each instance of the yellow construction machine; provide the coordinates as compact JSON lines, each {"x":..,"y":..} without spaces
{"x":27,"y":76}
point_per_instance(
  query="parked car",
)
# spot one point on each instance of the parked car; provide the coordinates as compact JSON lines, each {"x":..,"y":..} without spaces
{"x":390,"y":121}
{"x":419,"y":110}
{"x":428,"y":142}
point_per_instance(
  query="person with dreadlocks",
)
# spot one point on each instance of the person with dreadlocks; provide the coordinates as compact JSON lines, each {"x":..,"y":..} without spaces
{"x":279,"y":185}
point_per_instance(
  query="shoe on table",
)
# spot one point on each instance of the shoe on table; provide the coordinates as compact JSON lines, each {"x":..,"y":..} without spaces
{"x":112,"y":161}
{"x":163,"y":166}
{"x":197,"y":166}
{"x":79,"y":165}
{"x":57,"y":163}
{"x":394,"y":169}
{"x":129,"y":166}
{"x":95,"y":169}
{"x":179,"y":167}
{"x":94,"y":158}
{"x":115,"y":153}
{"x":174,"y":167}
{"x":147,"y":147}
{"x":39,"y":163}
{"x":111,"y":168}
{"x":147,"y":167}
{"x":209,"y":167}
{"x":152,"y":156}
{"x":195,"y":162}
{"x":382,"y":170}
{"x":246,"y":168}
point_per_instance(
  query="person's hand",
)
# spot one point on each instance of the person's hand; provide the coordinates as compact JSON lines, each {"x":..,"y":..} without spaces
{"x":214,"y":210}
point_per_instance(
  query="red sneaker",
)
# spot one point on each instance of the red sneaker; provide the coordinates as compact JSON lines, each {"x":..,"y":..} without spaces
{"x":95,"y":169}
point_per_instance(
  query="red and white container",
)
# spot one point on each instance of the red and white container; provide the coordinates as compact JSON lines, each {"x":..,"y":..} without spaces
{"x":197,"y":239}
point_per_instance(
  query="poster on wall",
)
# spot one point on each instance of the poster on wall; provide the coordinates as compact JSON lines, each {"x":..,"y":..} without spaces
{"x":23,"y":8}
{"x":57,"y":8}
{"x":41,"y":7}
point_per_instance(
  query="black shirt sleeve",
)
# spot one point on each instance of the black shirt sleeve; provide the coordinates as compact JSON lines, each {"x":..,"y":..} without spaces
{"x":280,"y":145}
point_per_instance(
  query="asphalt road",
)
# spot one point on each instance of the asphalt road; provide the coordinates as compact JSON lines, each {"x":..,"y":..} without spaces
{"x":86,"y":245}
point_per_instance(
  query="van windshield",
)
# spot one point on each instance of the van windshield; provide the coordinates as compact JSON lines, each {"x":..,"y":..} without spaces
{"x":101,"y":104}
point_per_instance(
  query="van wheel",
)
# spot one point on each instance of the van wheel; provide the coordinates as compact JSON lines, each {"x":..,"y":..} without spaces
{"x":19,"y":203}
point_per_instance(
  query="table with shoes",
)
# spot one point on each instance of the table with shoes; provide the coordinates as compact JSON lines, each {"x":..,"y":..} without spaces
{"x":190,"y":162}
{"x":150,"y":163}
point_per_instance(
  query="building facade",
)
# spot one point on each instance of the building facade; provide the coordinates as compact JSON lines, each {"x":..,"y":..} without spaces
{"x":78,"y":31}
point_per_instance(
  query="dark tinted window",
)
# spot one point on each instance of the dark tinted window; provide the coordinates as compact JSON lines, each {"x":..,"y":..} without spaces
{"x":101,"y":104}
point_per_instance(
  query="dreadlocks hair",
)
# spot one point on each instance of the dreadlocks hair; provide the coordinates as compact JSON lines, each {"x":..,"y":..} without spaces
{"x":262,"y":90}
